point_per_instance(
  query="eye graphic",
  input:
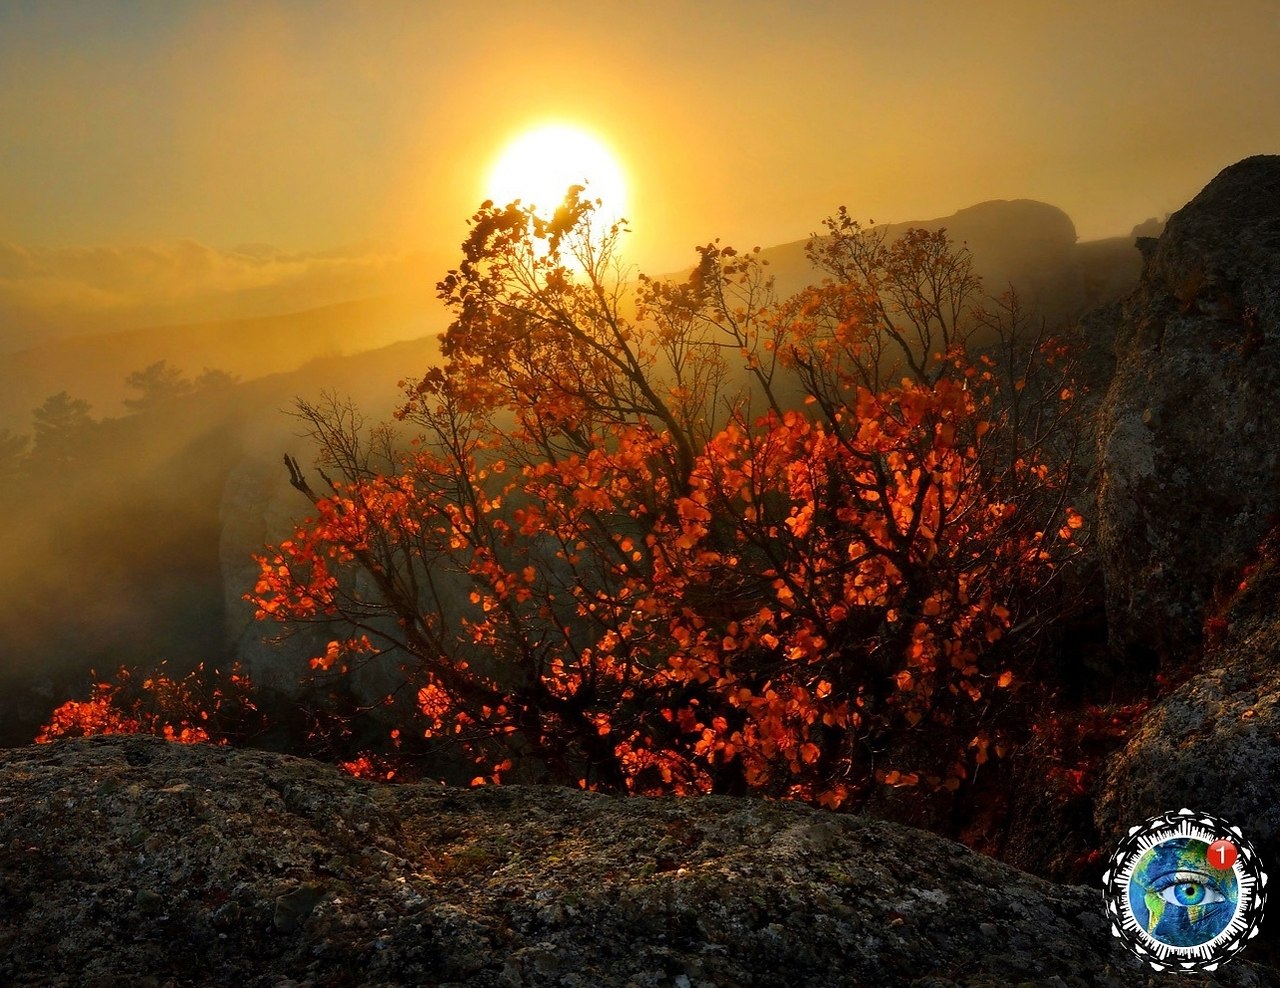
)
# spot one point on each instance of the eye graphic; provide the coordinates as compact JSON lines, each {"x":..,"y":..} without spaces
{"x":1185,"y":891}
{"x":1188,"y":889}
{"x":1177,"y":898}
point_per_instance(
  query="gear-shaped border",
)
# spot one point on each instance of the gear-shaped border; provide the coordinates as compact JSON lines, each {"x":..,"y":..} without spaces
{"x":1170,"y":958}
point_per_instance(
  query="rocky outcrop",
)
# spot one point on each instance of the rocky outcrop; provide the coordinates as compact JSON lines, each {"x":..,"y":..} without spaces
{"x":1210,"y":744}
{"x":1188,"y":505}
{"x":130,"y":860}
{"x":1214,"y":742}
{"x":1020,"y":243}
{"x":1190,"y":466}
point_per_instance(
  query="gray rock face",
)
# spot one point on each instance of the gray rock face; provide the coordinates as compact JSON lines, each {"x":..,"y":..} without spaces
{"x":1190,"y":463}
{"x":1210,"y":745}
{"x":130,"y":860}
{"x":1213,"y":742}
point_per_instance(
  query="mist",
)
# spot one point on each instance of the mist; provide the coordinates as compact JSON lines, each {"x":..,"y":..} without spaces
{"x":122,"y":539}
{"x":55,"y":294}
{"x":132,"y":512}
{"x":264,"y":200}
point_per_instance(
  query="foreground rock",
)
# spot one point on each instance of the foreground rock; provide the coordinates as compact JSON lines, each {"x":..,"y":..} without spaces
{"x":1211,"y":744}
{"x":132,"y":861}
{"x":1190,"y":476}
{"x":1214,"y":742}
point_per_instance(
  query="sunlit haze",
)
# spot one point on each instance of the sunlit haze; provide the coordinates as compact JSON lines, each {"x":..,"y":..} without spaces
{"x":165,"y":162}
{"x":539,"y":165}
{"x":886,"y":427}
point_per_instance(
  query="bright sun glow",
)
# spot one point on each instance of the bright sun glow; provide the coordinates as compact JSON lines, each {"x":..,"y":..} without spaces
{"x":540,"y":165}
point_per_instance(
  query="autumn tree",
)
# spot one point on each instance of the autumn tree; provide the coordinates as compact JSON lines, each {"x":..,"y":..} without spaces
{"x":200,"y":707}
{"x":705,"y":539}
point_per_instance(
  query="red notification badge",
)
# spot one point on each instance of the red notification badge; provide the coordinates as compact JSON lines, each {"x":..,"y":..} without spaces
{"x":1222,"y":854}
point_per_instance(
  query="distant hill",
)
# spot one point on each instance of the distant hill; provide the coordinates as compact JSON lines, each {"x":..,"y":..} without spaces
{"x":1029,"y":245}
{"x":141,"y":530}
{"x":94,"y":367}
{"x":56,"y":293}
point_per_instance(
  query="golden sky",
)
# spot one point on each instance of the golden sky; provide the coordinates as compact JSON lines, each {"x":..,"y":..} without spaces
{"x":371,"y":126}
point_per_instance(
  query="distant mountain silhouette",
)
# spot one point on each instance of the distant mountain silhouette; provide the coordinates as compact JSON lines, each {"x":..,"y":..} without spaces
{"x":1024,"y":243}
{"x":1029,"y":245}
{"x":94,"y":367}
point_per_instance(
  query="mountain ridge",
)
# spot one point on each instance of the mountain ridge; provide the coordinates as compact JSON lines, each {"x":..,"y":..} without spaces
{"x":94,"y":367}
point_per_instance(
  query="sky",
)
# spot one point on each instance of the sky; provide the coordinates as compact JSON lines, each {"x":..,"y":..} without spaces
{"x":364,"y":132}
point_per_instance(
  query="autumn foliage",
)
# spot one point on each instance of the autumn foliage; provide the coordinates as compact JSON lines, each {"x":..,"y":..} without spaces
{"x":194,"y":709}
{"x":697,"y":538}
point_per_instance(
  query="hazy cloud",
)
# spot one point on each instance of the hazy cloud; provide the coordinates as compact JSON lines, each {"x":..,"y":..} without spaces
{"x":56,"y":292}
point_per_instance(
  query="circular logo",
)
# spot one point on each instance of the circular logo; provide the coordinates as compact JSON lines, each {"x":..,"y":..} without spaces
{"x":1185,"y":891}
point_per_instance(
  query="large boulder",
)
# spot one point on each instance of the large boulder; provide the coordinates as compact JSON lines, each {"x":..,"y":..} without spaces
{"x":1190,"y":468}
{"x":131,"y":860}
{"x":1213,"y":743}
{"x":1021,"y":244}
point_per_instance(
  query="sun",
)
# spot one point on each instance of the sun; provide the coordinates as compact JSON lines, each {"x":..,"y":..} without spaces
{"x":539,"y":166}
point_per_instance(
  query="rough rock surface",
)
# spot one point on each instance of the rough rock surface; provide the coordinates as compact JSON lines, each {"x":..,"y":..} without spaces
{"x":1212,"y":745}
{"x":134,"y":861}
{"x":1214,"y":742}
{"x":1190,"y":466}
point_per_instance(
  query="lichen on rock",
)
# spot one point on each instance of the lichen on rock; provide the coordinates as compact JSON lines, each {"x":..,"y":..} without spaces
{"x":1213,"y":743}
{"x":132,"y":860}
{"x":1190,"y":466}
